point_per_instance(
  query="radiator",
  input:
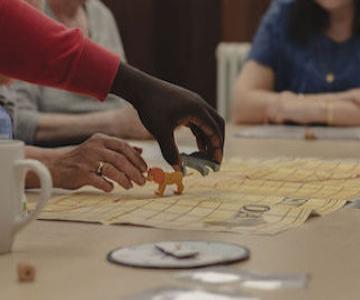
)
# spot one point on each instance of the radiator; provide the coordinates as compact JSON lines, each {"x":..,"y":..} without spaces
{"x":230,"y":59}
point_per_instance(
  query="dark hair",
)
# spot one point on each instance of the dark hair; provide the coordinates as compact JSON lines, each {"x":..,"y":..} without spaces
{"x":307,"y":18}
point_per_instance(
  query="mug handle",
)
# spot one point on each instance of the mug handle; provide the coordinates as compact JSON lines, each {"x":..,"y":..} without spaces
{"x":43,"y":173}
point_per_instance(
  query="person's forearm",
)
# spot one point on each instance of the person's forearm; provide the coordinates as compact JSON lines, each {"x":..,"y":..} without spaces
{"x":300,"y":109}
{"x":47,"y":157}
{"x":65,"y":129}
{"x":133,"y":85}
{"x":334,"y":109}
{"x":42,"y":155}
{"x":343,"y":113}
{"x":59,"y":129}
{"x":251,"y":107}
{"x":265,"y":106}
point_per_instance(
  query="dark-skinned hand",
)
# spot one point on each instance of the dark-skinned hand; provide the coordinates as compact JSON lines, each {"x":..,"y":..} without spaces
{"x":163,"y":107}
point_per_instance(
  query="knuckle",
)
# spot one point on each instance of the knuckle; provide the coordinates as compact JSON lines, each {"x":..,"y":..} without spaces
{"x":126,"y":148}
{"x":94,"y":136}
{"x":126,"y":167}
{"x":122,"y":146}
{"x":97,"y":137}
{"x":120,"y":159}
{"x":114,"y":174}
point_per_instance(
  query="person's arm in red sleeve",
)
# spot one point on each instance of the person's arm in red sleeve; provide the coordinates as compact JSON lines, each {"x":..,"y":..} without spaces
{"x":34,"y":48}
{"x":39,"y":50}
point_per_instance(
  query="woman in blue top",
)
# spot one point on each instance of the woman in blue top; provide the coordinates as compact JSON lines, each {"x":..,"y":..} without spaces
{"x":304,"y":66}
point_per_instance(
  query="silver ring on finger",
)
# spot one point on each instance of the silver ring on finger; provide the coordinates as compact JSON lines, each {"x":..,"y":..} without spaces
{"x":100,"y":168}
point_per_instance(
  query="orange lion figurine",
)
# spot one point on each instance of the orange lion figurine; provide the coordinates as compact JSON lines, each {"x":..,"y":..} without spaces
{"x":163,"y":179}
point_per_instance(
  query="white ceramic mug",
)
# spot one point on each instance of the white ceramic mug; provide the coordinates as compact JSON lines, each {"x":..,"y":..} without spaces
{"x":13,"y":168}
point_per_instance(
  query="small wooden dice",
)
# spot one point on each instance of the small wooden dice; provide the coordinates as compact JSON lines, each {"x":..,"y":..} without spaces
{"x":26,"y":272}
{"x":309,"y":135}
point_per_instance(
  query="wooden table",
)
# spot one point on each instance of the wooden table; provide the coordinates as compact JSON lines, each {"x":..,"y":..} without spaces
{"x":71,"y":264}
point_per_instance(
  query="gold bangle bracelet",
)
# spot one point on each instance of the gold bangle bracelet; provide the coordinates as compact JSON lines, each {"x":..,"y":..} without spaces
{"x":329,"y":113}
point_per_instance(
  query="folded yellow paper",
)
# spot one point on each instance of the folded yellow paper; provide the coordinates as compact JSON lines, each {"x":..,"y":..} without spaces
{"x":246,"y":196}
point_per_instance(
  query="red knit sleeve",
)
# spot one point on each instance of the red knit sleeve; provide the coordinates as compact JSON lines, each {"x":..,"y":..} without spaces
{"x":36,"y":49}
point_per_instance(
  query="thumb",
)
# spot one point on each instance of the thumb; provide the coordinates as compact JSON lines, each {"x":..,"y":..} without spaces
{"x":169,"y":149}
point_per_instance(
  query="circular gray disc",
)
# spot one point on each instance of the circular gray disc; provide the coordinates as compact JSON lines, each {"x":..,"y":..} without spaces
{"x":209,"y":254}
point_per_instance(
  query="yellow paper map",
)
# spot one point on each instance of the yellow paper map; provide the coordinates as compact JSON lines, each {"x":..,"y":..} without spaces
{"x":247,"y":196}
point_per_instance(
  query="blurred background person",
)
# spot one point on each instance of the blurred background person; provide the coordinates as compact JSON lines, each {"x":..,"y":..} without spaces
{"x":50,"y":117}
{"x":304,"y":66}
{"x":75,"y":167}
